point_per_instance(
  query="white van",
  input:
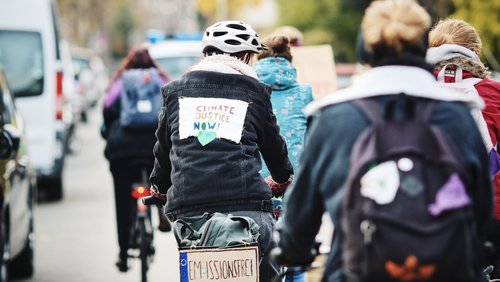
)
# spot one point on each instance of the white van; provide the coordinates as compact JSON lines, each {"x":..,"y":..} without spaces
{"x":30,"y":55}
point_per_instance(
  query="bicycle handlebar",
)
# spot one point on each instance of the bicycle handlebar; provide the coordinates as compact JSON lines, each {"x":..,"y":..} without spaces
{"x":152,"y":200}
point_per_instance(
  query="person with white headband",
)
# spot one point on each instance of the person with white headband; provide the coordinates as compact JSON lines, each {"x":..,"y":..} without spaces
{"x":455,"y":47}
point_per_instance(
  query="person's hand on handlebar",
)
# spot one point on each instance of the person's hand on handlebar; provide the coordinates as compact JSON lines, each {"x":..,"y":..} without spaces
{"x":159,"y":196}
{"x":282,"y":259}
{"x":155,"y":192}
{"x":156,"y":197}
{"x":278,"y":189}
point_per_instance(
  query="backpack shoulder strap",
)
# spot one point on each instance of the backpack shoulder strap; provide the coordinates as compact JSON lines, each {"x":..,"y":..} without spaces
{"x":370,"y":108}
{"x":470,"y":83}
{"x":425,"y":108}
{"x":460,"y":82}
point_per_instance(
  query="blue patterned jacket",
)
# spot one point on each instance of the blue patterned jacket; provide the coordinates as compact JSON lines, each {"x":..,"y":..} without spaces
{"x":288,"y":98}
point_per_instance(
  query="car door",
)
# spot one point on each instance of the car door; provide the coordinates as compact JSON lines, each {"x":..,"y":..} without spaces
{"x":16,"y":176}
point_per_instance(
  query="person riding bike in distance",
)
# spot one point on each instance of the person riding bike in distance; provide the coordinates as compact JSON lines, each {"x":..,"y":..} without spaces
{"x":125,"y":144}
{"x":216,"y":121}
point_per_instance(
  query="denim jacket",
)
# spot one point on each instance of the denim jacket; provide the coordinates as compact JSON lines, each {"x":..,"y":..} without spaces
{"x":213,"y":164}
{"x":320,"y":184}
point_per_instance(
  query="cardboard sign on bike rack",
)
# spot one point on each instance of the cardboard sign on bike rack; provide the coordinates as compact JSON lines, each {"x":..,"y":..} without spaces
{"x":239,"y":264}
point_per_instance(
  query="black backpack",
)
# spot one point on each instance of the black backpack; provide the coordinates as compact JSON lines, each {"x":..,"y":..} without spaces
{"x":141,"y":99}
{"x":407,"y":215}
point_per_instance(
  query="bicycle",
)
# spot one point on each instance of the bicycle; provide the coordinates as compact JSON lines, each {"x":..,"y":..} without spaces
{"x":215,"y":246}
{"x":319,"y":265}
{"x":141,"y":232}
{"x":315,"y":268}
{"x":492,"y":272}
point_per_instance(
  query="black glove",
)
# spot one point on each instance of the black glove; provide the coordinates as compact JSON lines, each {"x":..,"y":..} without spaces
{"x":159,"y":196}
{"x":280,"y":258}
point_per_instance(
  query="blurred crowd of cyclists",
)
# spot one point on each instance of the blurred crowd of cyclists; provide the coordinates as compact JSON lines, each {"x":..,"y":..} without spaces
{"x":237,"y":133}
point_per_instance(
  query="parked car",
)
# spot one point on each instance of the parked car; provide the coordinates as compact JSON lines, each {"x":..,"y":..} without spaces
{"x":17,"y":189}
{"x":72,"y":108}
{"x":31,"y":58}
{"x":176,"y":56}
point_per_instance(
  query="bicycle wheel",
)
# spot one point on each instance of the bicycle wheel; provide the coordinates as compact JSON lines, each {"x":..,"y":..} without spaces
{"x":143,"y":249}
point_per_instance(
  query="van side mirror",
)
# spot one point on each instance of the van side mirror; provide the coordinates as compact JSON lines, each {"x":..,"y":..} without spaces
{"x":9,"y":143}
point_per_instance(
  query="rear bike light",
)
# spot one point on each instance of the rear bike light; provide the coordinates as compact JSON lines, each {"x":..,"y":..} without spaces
{"x":140,"y":192}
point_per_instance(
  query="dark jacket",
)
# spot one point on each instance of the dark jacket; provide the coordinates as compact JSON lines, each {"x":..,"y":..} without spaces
{"x":325,"y":162}
{"x":122,"y":144}
{"x":222,"y":175}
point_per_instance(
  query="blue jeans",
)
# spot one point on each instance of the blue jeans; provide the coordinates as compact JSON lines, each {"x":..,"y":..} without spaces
{"x":298,"y":276}
{"x":295,"y":277}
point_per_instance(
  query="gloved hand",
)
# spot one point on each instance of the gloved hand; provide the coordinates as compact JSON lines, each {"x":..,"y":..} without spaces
{"x":278,"y":189}
{"x":277,"y":256}
{"x":161,"y":197}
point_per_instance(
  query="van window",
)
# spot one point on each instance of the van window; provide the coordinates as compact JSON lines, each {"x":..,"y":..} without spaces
{"x":21,"y":56}
{"x":81,"y":63}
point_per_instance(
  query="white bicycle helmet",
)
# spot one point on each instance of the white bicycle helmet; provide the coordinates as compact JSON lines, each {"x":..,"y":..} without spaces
{"x":232,"y":37}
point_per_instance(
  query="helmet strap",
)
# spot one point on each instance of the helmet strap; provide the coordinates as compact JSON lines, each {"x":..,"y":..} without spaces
{"x":246,"y":58}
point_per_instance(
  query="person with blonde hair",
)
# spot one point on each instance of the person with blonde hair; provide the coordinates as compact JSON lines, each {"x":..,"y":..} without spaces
{"x":455,"y":49}
{"x":339,"y":166}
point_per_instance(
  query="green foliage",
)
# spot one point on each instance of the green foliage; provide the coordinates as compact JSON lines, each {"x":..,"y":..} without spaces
{"x":123,"y":24}
{"x":81,"y":20}
{"x":332,"y":22}
{"x":210,"y":10}
{"x":438,"y":8}
{"x":484,"y":15}
{"x":337,"y":22}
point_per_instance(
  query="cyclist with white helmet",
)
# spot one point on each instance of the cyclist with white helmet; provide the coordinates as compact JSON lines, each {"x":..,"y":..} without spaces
{"x":216,"y":121}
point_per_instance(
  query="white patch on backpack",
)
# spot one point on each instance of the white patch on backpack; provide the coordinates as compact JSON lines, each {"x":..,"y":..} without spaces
{"x":210,"y":118}
{"x":381,"y":183}
{"x":144,"y":106}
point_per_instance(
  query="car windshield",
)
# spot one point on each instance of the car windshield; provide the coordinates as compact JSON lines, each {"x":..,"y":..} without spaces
{"x":176,"y":66}
{"x":81,"y":63}
{"x":21,"y":56}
